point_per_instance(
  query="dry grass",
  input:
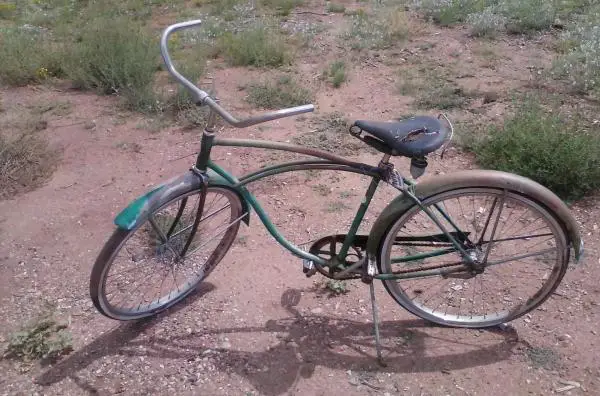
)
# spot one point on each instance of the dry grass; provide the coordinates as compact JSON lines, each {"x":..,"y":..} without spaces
{"x":26,"y":159}
{"x":331,"y":133}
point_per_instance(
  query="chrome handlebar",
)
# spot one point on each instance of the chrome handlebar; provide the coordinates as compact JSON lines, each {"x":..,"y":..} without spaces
{"x":201,"y":97}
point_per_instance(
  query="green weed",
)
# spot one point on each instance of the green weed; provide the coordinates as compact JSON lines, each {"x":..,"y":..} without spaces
{"x":541,"y":357}
{"x":43,"y":338}
{"x":7,"y":10}
{"x":336,"y":8}
{"x":282,"y":7}
{"x":336,"y":73}
{"x":337,"y":287}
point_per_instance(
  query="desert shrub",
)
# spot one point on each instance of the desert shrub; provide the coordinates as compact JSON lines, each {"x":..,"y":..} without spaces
{"x":258,"y":46}
{"x":580,"y":65}
{"x":116,"y":56}
{"x":28,"y":54}
{"x":561,"y":156}
{"x":490,"y":16}
{"x":449,"y":12}
{"x":487,"y":22}
{"x":336,"y":8}
{"x":528,"y":15}
{"x":377,"y":31}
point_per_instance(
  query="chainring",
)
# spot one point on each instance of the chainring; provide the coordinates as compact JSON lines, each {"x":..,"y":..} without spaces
{"x":328,"y":247}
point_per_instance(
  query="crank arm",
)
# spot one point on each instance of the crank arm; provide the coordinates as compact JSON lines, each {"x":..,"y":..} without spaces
{"x":351,"y":269}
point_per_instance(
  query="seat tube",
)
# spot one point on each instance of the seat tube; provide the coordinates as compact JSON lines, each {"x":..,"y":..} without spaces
{"x":364,"y":205}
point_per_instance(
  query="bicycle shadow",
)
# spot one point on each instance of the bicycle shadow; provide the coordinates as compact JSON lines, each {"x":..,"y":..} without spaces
{"x":311,"y":341}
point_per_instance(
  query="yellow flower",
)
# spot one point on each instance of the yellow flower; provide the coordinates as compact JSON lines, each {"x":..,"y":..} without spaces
{"x":42,"y":73}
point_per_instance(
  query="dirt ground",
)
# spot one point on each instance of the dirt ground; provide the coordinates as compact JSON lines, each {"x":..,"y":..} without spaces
{"x":258,"y":326}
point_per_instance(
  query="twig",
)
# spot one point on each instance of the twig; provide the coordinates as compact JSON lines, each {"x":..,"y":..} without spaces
{"x":560,"y":295}
{"x":364,"y":382}
{"x":67,"y":125}
{"x":309,"y":12}
{"x":182,"y":157}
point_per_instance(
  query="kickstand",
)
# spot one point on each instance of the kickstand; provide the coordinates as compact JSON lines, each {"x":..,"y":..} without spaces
{"x":376,"y":325}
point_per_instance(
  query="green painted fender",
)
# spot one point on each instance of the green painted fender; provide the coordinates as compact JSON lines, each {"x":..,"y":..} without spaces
{"x":136,"y":211}
{"x":477,"y":178}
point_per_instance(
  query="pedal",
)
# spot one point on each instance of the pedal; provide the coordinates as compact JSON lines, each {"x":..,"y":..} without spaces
{"x":308,"y":267}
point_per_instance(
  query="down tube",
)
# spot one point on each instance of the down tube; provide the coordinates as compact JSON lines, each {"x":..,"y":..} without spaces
{"x":264,"y":217}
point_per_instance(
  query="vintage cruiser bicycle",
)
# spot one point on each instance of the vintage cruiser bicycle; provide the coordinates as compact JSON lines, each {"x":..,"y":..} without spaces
{"x":471,"y":249}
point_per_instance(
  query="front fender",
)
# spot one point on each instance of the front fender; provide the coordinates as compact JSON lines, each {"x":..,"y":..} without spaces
{"x":478,"y":178}
{"x":136,"y":212}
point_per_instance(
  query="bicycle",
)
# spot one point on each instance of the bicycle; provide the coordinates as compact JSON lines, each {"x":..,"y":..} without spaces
{"x":454,"y":269}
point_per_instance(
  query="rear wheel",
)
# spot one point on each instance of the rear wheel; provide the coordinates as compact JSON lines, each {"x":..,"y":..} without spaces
{"x":152,"y":267}
{"x":519,"y":245}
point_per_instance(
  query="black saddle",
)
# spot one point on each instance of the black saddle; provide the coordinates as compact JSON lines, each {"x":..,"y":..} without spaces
{"x":412,"y":137}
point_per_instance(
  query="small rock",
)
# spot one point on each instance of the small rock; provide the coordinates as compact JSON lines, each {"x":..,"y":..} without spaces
{"x":490,"y":97}
{"x":225,"y":345}
{"x":317,"y":311}
{"x":564,"y":337}
{"x":292,"y":344}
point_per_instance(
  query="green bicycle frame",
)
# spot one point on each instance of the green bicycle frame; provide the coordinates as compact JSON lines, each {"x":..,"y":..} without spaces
{"x":327,"y":161}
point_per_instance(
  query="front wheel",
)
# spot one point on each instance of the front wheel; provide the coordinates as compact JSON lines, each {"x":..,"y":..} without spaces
{"x":519,"y":245}
{"x":143,"y":271}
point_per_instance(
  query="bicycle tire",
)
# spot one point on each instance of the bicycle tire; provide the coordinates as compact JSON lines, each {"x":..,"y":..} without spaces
{"x":120,"y":237}
{"x":419,"y":300}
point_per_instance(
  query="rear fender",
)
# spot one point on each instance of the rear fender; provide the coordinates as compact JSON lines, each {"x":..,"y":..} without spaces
{"x":137,"y":210}
{"x":478,"y":178}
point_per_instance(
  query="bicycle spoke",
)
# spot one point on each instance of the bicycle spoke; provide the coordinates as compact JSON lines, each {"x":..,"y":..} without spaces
{"x":514,"y":258}
{"x":487,"y":221}
{"x":491,"y":243}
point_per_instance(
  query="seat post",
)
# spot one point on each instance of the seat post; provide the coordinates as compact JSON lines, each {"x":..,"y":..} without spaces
{"x":385,"y":159}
